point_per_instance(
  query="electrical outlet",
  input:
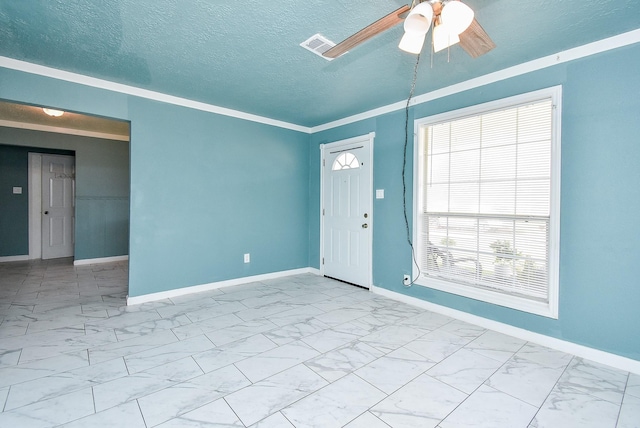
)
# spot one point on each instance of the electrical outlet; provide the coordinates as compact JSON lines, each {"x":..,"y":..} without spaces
{"x":247,"y":258}
{"x":406,"y":280}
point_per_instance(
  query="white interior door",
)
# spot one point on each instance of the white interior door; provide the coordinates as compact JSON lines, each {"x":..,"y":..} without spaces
{"x":58,"y":198}
{"x":346,"y":210}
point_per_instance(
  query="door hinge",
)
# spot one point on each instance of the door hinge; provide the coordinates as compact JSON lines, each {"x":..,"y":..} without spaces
{"x":323,"y":211}
{"x":323,"y":260}
{"x":323,"y":162}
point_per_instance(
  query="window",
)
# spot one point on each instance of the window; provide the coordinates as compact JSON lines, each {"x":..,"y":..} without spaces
{"x":345,"y":161}
{"x":487,"y":192}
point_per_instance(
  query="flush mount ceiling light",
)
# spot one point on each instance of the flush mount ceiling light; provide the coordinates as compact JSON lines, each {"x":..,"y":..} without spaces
{"x":52,"y":112}
{"x":452,"y":20}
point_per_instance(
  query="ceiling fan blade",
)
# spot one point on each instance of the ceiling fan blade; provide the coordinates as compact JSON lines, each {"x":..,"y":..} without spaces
{"x":475,"y":41}
{"x":368,"y":32}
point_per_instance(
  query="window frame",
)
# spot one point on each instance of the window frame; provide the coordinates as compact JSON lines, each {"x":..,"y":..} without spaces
{"x":547,"y":309}
{"x":344,"y":166}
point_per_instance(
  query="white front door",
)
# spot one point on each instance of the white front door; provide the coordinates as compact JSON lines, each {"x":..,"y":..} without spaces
{"x":58,"y":198}
{"x":346,"y":210}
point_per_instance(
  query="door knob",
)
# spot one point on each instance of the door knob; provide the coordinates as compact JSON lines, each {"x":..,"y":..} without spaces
{"x":364,"y":226}
{"x":46,"y":212}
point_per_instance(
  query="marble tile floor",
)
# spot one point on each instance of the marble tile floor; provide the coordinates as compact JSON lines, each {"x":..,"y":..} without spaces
{"x":301,"y":351}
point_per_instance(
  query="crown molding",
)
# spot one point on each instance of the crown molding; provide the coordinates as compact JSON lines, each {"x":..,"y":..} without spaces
{"x":583,"y":51}
{"x":54,"y":73}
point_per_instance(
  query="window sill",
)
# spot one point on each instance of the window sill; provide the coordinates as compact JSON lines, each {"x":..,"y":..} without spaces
{"x":545,"y":309}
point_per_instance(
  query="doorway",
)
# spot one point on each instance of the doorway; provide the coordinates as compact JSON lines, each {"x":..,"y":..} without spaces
{"x":346,"y":210}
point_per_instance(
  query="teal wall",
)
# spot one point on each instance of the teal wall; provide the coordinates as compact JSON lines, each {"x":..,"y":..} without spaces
{"x":205,"y":189}
{"x":14,"y":209}
{"x":102,"y":192}
{"x":600,"y":231}
{"x":102,"y":199}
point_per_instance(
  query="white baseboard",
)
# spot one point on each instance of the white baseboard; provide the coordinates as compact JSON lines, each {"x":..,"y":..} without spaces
{"x":613,"y":360}
{"x":145,"y":298}
{"x":13,"y":258}
{"x":100,"y":260}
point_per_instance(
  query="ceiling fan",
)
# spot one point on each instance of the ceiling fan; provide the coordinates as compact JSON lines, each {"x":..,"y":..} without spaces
{"x":453,"y":22}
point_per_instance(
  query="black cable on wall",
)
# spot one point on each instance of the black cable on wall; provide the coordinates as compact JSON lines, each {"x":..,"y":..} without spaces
{"x":404,"y":168}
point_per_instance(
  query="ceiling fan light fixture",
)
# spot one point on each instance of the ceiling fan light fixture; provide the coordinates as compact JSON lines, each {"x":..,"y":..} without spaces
{"x":412,"y":42}
{"x":419,"y":19}
{"x":416,"y":24}
{"x":53,"y":112}
{"x":443,"y":37}
{"x":457,"y":16}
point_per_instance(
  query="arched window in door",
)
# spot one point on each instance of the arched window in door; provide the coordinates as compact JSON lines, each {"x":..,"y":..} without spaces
{"x":345,"y":161}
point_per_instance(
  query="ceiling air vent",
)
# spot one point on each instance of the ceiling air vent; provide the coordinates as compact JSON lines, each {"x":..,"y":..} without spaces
{"x":318,"y":45}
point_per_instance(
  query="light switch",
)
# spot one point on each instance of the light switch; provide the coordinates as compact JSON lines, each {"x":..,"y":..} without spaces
{"x":17,"y":190}
{"x":379,"y":193}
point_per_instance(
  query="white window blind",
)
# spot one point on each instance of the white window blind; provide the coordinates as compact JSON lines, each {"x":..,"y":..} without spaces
{"x":485,"y":194}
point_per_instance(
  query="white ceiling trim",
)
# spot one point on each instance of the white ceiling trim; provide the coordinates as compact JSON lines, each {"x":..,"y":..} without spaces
{"x":81,"y":79}
{"x":61,"y":130}
{"x":589,"y":49}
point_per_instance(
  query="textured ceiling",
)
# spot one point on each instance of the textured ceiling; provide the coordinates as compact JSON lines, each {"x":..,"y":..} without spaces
{"x":246,"y":55}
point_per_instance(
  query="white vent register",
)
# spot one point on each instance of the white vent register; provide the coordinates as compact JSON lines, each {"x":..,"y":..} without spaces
{"x":318,"y":44}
